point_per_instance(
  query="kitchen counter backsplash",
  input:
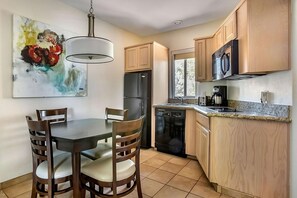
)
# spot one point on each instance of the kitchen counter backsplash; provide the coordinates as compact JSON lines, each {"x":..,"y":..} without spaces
{"x":269,"y":109}
{"x":188,"y":101}
{"x":254,"y":107}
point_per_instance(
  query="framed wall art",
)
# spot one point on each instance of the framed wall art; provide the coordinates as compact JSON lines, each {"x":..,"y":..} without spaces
{"x":39,"y":65}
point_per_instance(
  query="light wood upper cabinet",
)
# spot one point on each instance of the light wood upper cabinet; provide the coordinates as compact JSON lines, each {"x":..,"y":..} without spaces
{"x":190,"y":134}
{"x":203,"y":59}
{"x":230,"y":28}
{"x":144,"y":57}
{"x":226,"y":33}
{"x":250,"y":156}
{"x":263,"y":36}
{"x":138,"y":58}
{"x":131,"y":59}
{"x":219,"y":39}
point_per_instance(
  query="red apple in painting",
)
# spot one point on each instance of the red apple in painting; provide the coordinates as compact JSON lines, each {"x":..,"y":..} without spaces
{"x":53,"y":59}
{"x":35,"y":53}
{"x":56,"y":49}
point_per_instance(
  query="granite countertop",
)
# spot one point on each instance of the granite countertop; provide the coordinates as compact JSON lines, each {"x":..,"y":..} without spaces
{"x":212,"y":113}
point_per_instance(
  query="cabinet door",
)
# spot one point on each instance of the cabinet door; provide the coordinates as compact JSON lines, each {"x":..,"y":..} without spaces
{"x":131,"y":59}
{"x":190,"y":133}
{"x":250,"y":156}
{"x":219,"y":39}
{"x":197,"y":130}
{"x":144,"y":58}
{"x":204,"y":149}
{"x":203,"y":59}
{"x":230,"y":29}
{"x":263,"y":36}
{"x":200,"y":60}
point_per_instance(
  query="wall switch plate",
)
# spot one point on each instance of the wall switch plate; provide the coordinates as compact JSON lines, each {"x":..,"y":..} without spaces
{"x":264,"y":97}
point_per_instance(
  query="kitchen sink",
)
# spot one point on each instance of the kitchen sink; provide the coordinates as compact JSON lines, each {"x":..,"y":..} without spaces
{"x":223,"y":109}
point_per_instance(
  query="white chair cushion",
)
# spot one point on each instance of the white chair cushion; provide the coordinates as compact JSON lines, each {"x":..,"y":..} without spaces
{"x":102,"y":150}
{"x":101,"y":169}
{"x":57,"y":151}
{"x":62,"y":166}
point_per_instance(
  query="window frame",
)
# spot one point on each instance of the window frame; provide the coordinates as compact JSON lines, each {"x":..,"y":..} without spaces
{"x":172,"y":73}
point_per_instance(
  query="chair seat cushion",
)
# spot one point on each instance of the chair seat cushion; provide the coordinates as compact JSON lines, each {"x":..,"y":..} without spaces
{"x":102,"y":150}
{"x":57,"y":151}
{"x":101,"y":169}
{"x":62,"y":166}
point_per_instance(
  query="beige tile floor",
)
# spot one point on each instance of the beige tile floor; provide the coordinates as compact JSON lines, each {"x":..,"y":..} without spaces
{"x":163,"y":176}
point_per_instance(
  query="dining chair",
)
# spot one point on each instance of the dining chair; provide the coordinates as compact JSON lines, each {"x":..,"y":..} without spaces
{"x":52,"y":175}
{"x":120,"y":169}
{"x":54,"y":116}
{"x":104,"y":148}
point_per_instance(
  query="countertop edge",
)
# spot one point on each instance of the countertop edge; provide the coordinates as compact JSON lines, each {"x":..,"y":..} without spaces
{"x":241,"y":115}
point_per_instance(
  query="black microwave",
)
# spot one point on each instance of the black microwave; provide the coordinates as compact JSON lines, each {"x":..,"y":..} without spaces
{"x":225,"y":61}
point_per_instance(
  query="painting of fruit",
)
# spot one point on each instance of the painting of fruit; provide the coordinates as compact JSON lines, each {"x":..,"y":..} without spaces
{"x":39,"y":65}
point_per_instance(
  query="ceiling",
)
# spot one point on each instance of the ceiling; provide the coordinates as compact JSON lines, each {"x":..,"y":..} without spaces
{"x":148,"y":17}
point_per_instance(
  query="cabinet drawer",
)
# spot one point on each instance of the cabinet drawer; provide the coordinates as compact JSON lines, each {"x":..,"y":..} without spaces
{"x":203,"y":120}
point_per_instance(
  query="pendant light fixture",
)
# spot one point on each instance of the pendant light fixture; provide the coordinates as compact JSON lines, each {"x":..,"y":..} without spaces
{"x":89,"y":49}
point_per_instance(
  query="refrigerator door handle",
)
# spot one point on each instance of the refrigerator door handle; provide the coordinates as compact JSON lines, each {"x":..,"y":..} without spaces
{"x":142,"y":107}
{"x":139,"y":85}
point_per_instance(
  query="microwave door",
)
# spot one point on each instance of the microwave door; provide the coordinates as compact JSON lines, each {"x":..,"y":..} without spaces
{"x":226,"y":63}
{"x":216,"y":71}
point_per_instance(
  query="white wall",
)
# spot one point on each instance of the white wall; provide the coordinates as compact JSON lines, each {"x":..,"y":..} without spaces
{"x":184,"y":38}
{"x":279,"y":85}
{"x":105,"y":82}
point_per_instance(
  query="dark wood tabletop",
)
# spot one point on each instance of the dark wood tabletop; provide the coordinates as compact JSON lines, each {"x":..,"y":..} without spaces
{"x":76,"y":136}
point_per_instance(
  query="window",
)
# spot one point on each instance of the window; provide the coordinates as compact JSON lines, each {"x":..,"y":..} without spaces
{"x":183,"y":74}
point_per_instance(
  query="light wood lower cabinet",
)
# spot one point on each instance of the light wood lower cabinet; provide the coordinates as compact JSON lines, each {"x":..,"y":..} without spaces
{"x":250,"y":156}
{"x":202,"y":147}
{"x":202,"y":141}
{"x":190,"y":133}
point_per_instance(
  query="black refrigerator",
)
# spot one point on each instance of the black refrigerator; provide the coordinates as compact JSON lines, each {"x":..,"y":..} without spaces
{"x":137,"y":99}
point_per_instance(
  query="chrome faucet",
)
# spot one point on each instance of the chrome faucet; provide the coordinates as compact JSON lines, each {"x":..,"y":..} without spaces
{"x":181,"y":99}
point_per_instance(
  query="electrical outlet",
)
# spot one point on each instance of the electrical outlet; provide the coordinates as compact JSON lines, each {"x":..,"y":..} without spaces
{"x":264,"y":97}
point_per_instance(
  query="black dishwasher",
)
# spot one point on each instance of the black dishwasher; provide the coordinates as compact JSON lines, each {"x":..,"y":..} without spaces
{"x":170,"y":131}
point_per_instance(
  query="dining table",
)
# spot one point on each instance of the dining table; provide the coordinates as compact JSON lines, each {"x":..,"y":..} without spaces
{"x":78,"y":135}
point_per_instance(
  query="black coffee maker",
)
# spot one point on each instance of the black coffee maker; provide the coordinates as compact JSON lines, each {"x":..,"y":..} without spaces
{"x":219,"y":96}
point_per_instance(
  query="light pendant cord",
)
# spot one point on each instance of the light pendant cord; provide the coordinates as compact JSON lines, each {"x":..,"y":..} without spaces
{"x":91,"y":20}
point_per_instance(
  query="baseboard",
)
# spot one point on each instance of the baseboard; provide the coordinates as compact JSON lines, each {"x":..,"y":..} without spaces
{"x":15,"y":181}
{"x":231,"y":192}
{"x":191,"y":157}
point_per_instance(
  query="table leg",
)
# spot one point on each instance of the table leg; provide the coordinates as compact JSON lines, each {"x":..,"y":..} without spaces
{"x":76,"y":174}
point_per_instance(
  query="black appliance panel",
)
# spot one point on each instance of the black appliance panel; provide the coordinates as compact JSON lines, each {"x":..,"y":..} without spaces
{"x":170,"y":131}
{"x":225,"y":61}
{"x":137,"y":85}
{"x":137,"y":93}
{"x":135,"y":107}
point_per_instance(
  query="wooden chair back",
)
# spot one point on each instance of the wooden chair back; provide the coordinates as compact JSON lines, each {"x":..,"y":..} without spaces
{"x":126,"y":138}
{"x":40,"y":139}
{"x":42,"y":150}
{"x":116,"y":114}
{"x":52,"y":115}
{"x":102,"y":173}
